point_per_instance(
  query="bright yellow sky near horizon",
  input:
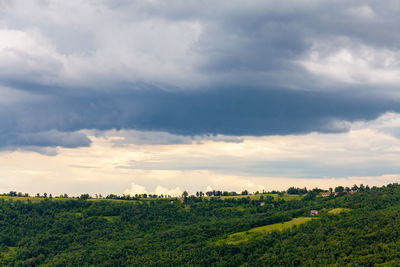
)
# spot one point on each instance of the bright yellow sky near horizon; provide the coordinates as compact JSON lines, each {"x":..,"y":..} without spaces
{"x":113,"y":165}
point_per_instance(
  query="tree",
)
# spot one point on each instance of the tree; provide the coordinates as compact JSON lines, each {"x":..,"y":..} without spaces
{"x":84,"y":196}
{"x":297,"y":191}
{"x":311,"y":195}
{"x":339,"y":189}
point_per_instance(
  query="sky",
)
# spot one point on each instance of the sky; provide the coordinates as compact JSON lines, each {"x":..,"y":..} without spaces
{"x":151,"y":96}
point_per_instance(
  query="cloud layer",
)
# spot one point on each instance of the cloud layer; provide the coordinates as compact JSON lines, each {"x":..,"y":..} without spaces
{"x":259,"y":68}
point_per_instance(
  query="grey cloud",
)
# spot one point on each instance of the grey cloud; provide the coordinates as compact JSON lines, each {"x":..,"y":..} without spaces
{"x":163,"y":138}
{"x":264,"y":35}
{"x":227,"y":111}
{"x":48,"y":151}
{"x":189,"y":69}
{"x":250,"y":44}
{"x":311,"y":169}
{"x":54,"y":138}
{"x":42,"y":142}
{"x":296,"y":168}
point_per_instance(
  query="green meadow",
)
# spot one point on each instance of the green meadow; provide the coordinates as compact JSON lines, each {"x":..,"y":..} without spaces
{"x":257,"y":232}
{"x":338,"y":210}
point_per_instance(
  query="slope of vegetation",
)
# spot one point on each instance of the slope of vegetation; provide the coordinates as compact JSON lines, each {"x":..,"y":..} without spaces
{"x":338,"y":210}
{"x":257,"y":232}
{"x":362,"y":229}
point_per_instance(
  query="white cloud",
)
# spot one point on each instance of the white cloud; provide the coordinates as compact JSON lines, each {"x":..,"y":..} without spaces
{"x":135,"y":189}
{"x":209,"y":188}
{"x":165,"y":191}
{"x":349,"y":62}
{"x":97,"y":45}
{"x":28,"y":55}
{"x":160,"y":190}
{"x":388,"y":123}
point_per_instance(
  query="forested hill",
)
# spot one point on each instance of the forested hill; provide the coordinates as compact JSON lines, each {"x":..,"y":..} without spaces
{"x":360,"y":229}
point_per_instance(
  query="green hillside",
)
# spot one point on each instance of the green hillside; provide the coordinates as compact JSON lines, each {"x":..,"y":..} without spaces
{"x":362,"y":229}
{"x":260,"y":231}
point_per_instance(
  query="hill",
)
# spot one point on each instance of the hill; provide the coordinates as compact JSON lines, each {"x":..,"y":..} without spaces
{"x":358,"y":229}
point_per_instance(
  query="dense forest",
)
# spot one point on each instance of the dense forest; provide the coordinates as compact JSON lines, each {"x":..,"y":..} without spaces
{"x":361,"y":228}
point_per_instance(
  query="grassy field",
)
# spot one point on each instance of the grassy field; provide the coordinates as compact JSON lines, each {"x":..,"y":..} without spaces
{"x":239,"y":237}
{"x":338,"y":210}
{"x":25,"y":199}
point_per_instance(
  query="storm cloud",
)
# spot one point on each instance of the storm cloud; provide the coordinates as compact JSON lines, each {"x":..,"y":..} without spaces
{"x":193,"y":68}
{"x":228,"y":111}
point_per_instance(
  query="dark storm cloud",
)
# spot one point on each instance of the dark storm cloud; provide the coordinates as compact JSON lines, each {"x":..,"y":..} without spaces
{"x":228,"y":111}
{"x":51,"y":138}
{"x":223,"y":67}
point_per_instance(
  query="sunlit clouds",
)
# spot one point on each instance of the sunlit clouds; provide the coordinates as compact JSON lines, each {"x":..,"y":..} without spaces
{"x":363,"y":155}
{"x":165,"y":96}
